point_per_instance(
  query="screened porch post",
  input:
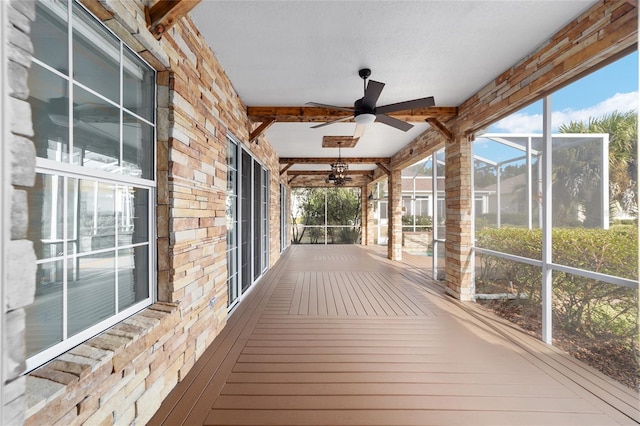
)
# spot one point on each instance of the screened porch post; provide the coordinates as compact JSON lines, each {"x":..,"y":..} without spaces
{"x":369,"y":207}
{"x":394,"y":243}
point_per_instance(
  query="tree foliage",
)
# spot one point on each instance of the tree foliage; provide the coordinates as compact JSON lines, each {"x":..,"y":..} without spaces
{"x":622,"y":128}
{"x":315,"y":208}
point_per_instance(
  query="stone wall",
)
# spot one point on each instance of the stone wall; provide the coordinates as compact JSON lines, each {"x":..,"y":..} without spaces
{"x":18,"y":255}
{"x":122,"y":375}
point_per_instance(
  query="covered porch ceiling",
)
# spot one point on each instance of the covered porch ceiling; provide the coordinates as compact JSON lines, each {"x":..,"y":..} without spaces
{"x":280,"y":55}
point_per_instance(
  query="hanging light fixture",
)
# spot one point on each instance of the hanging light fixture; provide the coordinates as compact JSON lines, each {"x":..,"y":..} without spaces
{"x":339,"y":169}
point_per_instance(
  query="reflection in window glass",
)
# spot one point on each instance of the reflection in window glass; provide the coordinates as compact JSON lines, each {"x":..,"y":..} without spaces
{"x":95,"y":204}
{"x":49,"y":34}
{"x":46,"y":229}
{"x":96,"y":132}
{"x":96,"y":55}
{"x":91,"y":295}
{"x":44,"y":316}
{"x":137,"y":86}
{"x":137,"y":147}
{"x":49,"y":99}
{"x":133,"y":281}
{"x":131,"y":206}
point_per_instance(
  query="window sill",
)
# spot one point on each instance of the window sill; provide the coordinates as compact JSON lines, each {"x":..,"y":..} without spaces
{"x":72,"y":379}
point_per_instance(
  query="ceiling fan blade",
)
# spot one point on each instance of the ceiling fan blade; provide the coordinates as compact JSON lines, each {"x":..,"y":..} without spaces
{"x":349,"y":117}
{"x":406,"y":105}
{"x":393,"y":122}
{"x":372,"y":93}
{"x":330,"y":106}
{"x":359,"y":131}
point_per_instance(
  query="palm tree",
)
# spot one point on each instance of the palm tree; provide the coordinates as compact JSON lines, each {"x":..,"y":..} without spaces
{"x":622,"y":128}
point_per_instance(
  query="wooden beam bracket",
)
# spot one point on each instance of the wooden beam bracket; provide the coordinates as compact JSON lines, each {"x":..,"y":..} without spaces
{"x":384,"y":168}
{"x":164,"y":14}
{"x":440,"y":128}
{"x":261,"y":129}
{"x":285,"y":168}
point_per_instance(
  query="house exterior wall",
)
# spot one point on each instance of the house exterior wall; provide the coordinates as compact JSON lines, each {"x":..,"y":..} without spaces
{"x":18,"y":169}
{"x":122,"y":375}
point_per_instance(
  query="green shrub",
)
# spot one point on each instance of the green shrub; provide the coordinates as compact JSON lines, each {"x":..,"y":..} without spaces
{"x":589,"y":307}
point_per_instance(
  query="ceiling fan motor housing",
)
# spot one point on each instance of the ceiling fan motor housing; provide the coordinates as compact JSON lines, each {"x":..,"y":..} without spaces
{"x":360,"y":108}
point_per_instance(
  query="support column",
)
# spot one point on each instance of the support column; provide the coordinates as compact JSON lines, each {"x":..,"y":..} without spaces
{"x":394,"y":243}
{"x":365,"y":212}
{"x":458,"y":199}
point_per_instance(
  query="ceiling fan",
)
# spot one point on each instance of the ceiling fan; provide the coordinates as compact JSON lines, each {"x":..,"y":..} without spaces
{"x":365,"y":111}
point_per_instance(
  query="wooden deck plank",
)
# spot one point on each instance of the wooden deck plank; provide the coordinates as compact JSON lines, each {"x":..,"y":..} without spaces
{"x":297,"y":295}
{"x":352,"y":338}
{"x":524,"y":379}
{"x":403,"y":417}
{"x":404,"y":402}
{"x":385,"y":389}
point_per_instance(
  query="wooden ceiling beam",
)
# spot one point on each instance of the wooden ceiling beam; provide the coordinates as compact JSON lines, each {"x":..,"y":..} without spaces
{"x":165,"y":13}
{"x":326,"y":172}
{"x":287,"y":114}
{"x":329,"y":160}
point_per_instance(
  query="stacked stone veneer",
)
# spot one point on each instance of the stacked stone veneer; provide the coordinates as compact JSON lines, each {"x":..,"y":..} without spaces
{"x":122,"y":375}
{"x":19,"y":256}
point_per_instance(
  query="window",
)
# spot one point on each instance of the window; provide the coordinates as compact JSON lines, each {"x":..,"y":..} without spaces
{"x":91,"y":210}
{"x":232,"y":223}
{"x":247,"y":221}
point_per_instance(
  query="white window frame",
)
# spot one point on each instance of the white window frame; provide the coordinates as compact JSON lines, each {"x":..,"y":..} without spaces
{"x":68,"y":170}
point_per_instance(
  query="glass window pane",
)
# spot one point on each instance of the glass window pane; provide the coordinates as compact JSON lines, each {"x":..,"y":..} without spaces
{"x":96,"y":142}
{"x":96,"y":56}
{"x":95,"y":224}
{"x":43,"y":317}
{"x":46,"y":214}
{"x":91,"y":290}
{"x":48,"y":97}
{"x":133,"y":276}
{"x":49,"y":34}
{"x":138,"y":86}
{"x":132,"y":209}
{"x":137,"y":146}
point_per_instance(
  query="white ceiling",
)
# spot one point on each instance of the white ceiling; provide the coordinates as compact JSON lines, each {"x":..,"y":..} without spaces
{"x":287,"y":53}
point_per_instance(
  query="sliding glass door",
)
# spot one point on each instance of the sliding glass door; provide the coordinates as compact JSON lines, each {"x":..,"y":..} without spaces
{"x":247,"y":221}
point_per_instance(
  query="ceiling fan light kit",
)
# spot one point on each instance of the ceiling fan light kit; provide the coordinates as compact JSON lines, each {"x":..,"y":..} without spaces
{"x":365,"y":119}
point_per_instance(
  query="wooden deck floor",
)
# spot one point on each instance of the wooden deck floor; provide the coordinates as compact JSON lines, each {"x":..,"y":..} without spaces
{"x":338,"y":335}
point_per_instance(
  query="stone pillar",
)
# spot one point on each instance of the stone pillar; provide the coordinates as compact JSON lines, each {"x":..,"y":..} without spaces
{"x":394,"y":244}
{"x":458,"y":198}
{"x":371,"y":230}
{"x":18,"y":173}
{"x":364,"y":214}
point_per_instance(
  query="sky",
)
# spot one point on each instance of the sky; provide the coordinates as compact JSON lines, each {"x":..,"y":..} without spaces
{"x":612,"y":88}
